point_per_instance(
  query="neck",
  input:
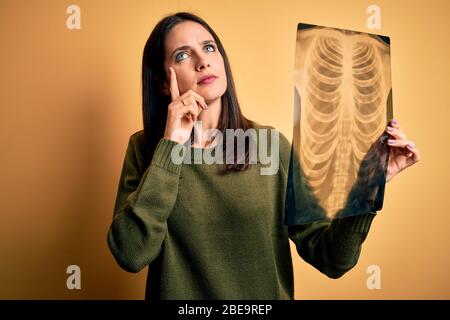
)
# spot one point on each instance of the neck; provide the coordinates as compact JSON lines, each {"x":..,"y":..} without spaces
{"x":210,"y":119}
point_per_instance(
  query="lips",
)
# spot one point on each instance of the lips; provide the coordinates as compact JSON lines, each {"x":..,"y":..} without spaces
{"x":209,"y":78}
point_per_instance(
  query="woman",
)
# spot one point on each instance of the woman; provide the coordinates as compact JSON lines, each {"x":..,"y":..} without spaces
{"x":215,"y":231}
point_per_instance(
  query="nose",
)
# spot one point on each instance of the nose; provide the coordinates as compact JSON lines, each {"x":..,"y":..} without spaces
{"x":202,"y":62}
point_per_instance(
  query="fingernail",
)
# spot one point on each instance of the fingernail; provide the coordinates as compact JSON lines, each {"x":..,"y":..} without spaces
{"x":391,"y":141}
{"x":205,"y":106}
{"x":390,"y":128}
{"x":411,"y":145}
{"x":394,"y":121}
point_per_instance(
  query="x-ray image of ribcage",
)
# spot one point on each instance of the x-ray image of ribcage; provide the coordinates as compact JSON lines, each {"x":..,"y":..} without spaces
{"x":343,"y":103}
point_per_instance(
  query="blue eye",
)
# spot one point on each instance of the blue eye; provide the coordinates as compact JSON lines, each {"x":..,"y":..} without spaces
{"x":211,"y":46}
{"x":178,"y":55}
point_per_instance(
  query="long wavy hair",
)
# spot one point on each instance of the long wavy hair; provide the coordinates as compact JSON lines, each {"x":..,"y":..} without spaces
{"x":155,"y":103}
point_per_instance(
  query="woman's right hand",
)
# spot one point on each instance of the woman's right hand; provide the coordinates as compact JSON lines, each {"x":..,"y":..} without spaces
{"x":182,"y":111}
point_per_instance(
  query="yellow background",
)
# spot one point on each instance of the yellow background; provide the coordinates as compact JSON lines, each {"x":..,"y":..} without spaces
{"x":70,"y":99}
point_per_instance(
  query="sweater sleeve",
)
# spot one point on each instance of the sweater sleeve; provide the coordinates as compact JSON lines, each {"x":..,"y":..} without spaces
{"x":143,"y":205}
{"x":332,"y":247}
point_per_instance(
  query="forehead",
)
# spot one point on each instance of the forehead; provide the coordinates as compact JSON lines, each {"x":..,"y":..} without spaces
{"x":186,"y":33}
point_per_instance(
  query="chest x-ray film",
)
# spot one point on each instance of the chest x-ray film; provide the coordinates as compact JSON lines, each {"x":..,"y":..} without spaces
{"x":342,"y":105}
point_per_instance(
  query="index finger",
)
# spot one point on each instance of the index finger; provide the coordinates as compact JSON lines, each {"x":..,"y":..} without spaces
{"x":174,"y":91}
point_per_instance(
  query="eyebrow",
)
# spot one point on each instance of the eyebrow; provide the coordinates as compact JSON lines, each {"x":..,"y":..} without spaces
{"x":189,"y":47}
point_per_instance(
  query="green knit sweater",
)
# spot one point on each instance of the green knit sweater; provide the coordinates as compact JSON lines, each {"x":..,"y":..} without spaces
{"x":210,"y":236}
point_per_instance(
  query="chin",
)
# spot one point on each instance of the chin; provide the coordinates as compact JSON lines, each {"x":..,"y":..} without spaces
{"x":211,"y":94}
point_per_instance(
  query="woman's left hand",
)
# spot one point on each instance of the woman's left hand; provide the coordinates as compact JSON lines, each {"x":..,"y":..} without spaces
{"x":403,"y":153}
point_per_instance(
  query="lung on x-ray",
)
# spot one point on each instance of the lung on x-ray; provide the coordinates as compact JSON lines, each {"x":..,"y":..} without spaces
{"x":342,"y":105}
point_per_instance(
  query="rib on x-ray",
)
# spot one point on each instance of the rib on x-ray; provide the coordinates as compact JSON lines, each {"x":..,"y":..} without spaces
{"x":342,"y":104}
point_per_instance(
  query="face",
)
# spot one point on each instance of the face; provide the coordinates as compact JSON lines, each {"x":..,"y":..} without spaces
{"x":198,"y":57}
